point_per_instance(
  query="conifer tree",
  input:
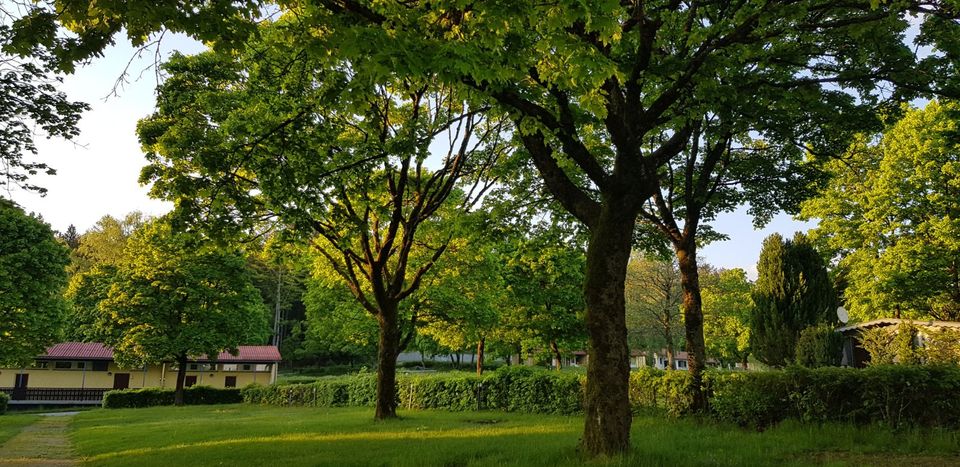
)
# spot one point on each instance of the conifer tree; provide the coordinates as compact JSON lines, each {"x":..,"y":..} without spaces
{"x":793,"y":291}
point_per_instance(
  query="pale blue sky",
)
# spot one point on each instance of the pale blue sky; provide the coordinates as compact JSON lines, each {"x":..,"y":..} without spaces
{"x":97,"y":174}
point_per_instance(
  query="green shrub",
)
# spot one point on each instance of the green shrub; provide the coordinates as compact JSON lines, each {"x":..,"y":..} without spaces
{"x":755,"y":400}
{"x":819,"y":346}
{"x":662,"y":390}
{"x":894,"y":395}
{"x":4,"y":398}
{"x":520,"y":389}
{"x":150,"y":397}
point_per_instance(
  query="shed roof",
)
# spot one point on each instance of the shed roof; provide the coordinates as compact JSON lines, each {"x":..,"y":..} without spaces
{"x":98,"y":351}
{"x":895,"y":321}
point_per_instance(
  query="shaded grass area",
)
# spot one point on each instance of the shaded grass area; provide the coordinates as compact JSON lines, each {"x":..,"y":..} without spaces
{"x":11,"y":424}
{"x":254,"y":435}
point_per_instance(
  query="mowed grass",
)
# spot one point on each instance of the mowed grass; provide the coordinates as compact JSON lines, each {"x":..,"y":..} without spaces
{"x":254,"y":435}
{"x":11,"y":424}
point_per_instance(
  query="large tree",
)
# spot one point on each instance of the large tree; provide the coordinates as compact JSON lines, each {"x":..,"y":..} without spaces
{"x":32,"y":277}
{"x":793,"y":291}
{"x":891,"y":215}
{"x":343,"y":162}
{"x":603,"y":94}
{"x":174,"y":297}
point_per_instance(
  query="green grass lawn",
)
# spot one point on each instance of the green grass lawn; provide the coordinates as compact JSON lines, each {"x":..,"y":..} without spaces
{"x":253,"y":435}
{"x":11,"y":424}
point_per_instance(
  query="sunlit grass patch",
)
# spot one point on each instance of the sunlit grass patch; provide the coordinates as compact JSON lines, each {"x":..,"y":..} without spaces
{"x":256,"y":435}
{"x":11,"y":424}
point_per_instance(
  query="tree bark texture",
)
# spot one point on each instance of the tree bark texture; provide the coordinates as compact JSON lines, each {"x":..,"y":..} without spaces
{"x":607,"y":403}
{"x":181,"y":377}
{"x":389,"y":347}
{"x":556,"y":354}
{"x":693,"y":322}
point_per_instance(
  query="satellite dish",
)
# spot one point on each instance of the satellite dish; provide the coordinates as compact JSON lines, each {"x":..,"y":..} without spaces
{"x":842,"y":315}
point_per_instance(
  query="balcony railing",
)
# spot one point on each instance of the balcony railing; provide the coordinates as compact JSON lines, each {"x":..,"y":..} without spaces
{"x":54,"y":394}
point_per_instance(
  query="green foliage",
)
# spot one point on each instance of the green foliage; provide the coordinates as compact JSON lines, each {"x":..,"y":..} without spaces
{"x":4,"y":398}
{"x":542,"y":276}
{"x":31,"y":105}
{"x":661,"y":390}
{"x":892,"y":395}
{"x":878,"y":342}
{"x":509,"y":388}
{"x":942,"y":346}
{"x":653,"y":297}
{"x":898,"y":395}
{"x":750,"y":399}
{"x":32,"y":277}
{"x":889,"y":215}
{"x":173,"y":296}
{"x":793,"y":291}
{"x":819,"y":346}
{"x":150,"y":397}
{"x":905,"y":344}
{"x":727,"y":304}
{"x":103,"y":244}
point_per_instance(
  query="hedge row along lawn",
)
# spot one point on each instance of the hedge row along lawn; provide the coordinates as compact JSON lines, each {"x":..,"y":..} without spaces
{"x":294,"y":436}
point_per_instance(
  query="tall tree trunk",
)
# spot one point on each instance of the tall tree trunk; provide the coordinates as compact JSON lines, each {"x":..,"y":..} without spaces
{"x":556,"y":354}
{"x":671,"y":358}
{"x":389,"y":347}
{"x":606,"y":402}
{"x":181,"y":377}
{"x":480,"y":347}
{"x":693,"y":321}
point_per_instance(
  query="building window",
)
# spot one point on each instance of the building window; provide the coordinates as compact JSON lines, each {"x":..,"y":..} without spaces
{"x":681,"y":364}
{"x":230,"y":382}
{"x":63,"y":365}
{"x":40,"y":365}
{"x":230,"y":367}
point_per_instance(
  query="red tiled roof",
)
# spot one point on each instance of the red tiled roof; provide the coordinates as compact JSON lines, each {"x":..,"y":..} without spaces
{"x":249,"y":353}
{"x":98,"y":351}
{"x":83,"y":350}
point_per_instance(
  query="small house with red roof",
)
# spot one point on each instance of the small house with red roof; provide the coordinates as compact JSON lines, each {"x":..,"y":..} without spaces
{"x":80,"y":372}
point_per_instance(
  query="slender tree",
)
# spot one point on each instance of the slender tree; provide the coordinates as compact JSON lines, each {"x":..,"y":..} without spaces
{"x":345,"y":163}
{"x":654,"y":298}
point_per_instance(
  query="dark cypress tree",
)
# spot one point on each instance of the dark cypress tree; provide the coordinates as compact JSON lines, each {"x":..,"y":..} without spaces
{"x":71,"y":237}
{"x":793,"y":291}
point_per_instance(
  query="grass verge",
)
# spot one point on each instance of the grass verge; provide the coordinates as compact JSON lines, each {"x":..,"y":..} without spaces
{"x":254,"y":435}
{"x":11,"y":424}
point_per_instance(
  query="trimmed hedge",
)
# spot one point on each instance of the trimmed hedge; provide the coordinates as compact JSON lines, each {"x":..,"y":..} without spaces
{"x":150,"y":397}
{"x":892,"y":395}
{"x":4,"y":398}
{"x":509,"y":388}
